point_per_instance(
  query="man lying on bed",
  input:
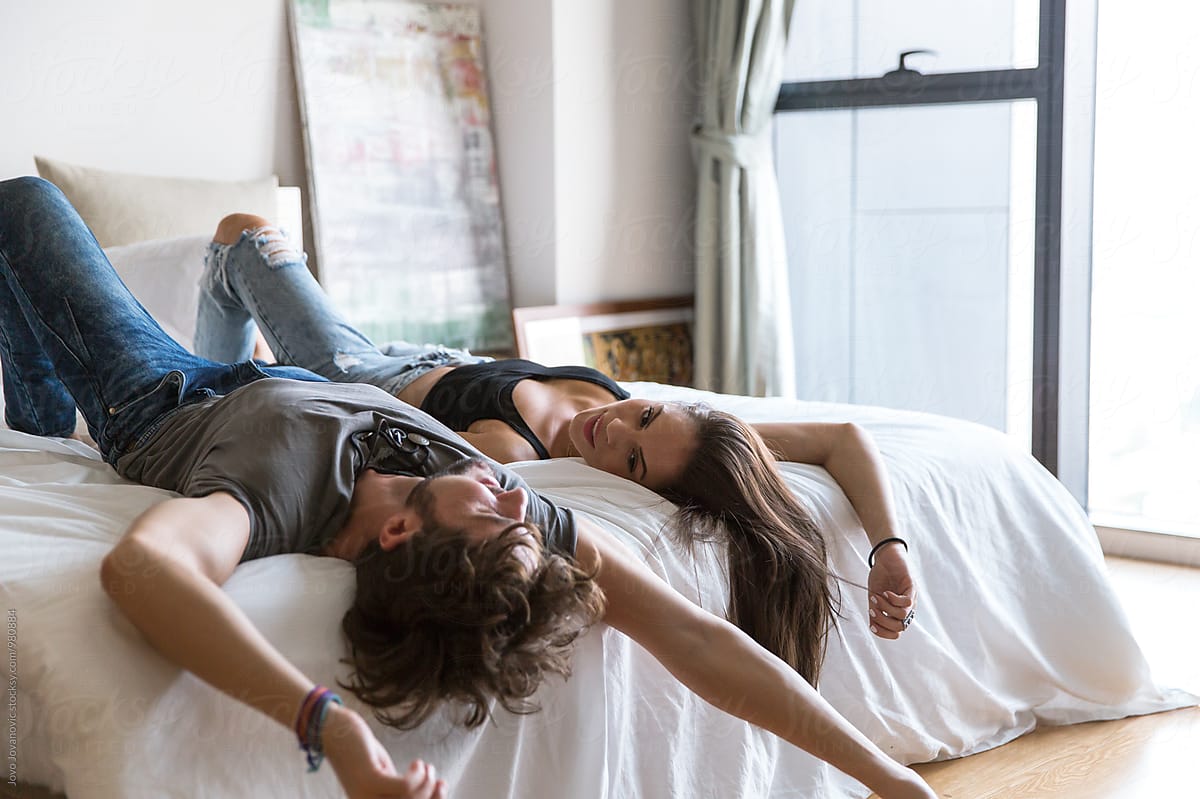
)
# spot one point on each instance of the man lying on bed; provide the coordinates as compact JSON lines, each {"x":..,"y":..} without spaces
{"x":273,"y":460}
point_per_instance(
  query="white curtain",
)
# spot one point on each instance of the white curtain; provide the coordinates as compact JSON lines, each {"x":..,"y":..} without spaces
{"x":743,"y":319}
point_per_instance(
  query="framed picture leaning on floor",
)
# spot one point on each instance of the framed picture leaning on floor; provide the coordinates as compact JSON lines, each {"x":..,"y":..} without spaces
{"x":632,"y":340}
{"x":402,"y":172}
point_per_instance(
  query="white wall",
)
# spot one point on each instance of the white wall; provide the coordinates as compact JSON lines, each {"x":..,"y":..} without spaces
{"x":591,"y":103}
{"x":151,"y":87}
{"x":518,"y":46}
{"x":199,"y":90}
{"x":624,"y":182}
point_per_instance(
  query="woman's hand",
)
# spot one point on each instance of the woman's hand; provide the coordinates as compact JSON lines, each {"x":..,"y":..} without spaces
{"x":891,"y":593}
{"x":364,"y":767}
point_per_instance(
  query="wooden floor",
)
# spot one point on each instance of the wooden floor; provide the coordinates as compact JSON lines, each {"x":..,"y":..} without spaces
{"x":1146,"y":757}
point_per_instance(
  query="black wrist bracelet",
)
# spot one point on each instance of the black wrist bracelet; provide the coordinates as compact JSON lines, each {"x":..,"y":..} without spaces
{"x":874,"y":549}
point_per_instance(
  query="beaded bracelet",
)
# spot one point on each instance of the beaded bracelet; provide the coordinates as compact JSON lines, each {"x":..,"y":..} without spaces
{"x":309,"y":722}
{"x":874,"y":549}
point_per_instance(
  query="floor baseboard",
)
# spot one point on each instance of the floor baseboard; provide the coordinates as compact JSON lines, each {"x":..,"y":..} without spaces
{"x":1176,"y":549}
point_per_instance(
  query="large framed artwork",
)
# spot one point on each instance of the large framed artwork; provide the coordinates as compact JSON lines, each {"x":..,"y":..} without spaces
{"x":402,"y":173}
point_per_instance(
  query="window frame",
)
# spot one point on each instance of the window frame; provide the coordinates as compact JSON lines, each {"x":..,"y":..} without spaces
{"x":1044,"y":84}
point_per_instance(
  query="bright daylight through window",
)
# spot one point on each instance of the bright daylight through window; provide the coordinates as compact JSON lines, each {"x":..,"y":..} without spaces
{"x":1145,"y":399}
{"x":911,"y":234}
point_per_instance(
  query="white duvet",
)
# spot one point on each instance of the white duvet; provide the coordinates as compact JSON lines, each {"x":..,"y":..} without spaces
{"x":1017,"y":625}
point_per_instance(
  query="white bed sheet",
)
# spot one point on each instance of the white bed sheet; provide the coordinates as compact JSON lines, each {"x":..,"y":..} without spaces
{"x":1017,"y":624}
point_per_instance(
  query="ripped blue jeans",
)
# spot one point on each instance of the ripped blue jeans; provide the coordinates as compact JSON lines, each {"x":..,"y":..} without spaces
{"x":264,"y":279}
{"x":71,"y":334}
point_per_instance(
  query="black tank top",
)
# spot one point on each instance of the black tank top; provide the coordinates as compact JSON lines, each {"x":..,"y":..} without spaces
{"x":467,"y":394}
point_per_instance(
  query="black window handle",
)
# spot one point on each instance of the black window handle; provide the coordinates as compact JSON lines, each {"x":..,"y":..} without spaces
{"x":904,"y":68}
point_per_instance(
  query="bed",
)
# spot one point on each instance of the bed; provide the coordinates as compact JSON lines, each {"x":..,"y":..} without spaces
{"x":1016,"y":627}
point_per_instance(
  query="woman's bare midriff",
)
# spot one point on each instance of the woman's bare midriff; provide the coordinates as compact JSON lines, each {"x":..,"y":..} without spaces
{"x":547,"y":406}
{"x":416,"y":391}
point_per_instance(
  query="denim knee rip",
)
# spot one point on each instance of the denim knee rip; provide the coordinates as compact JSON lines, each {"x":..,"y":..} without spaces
{"x":346,"y":361}
{"x":273,"y":245}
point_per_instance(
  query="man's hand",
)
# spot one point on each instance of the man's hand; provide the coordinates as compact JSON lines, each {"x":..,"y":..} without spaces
{"x":363,"y":766}
{"x":891,"y":593}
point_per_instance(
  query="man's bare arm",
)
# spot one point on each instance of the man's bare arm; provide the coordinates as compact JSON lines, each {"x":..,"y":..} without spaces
{"x":165,"y":576}
{"x":728,"y":669}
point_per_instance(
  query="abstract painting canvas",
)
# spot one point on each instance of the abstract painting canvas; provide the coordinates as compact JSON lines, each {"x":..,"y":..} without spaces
{"x":402,"y":173}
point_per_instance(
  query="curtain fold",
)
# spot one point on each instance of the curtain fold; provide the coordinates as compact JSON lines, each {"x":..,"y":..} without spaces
{"x":743,"y":331}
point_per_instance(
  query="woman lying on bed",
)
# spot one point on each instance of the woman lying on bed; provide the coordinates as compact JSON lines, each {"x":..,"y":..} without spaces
{"x":524,"y":574}
{"x":719,"y":470}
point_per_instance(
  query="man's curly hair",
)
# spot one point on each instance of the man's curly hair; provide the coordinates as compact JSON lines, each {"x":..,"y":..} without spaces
{"x":444,"y":616}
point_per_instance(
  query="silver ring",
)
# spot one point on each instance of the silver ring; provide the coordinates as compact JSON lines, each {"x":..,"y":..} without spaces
{"x":908,"y":619}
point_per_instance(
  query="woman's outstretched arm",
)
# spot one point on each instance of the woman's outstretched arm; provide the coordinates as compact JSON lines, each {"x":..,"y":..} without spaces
{"x":849,"y":454}
{"x":728,"y":669}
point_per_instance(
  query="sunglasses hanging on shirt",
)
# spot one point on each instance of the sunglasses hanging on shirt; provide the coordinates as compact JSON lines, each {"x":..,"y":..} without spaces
{"x":393,"y":450}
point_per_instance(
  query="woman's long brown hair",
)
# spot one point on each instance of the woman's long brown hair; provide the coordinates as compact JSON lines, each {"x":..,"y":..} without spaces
{"x":780,"y":590}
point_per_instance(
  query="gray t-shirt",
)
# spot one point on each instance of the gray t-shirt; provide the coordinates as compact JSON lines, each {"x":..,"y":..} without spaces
{"x":290,"y":451}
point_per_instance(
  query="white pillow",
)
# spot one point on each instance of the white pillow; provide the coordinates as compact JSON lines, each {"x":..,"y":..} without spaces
{"x":164,"y":275}
{"x":122,"y":208}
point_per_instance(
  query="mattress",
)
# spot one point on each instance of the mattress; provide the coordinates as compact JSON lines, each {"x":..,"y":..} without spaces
{"x":1017,"y":626}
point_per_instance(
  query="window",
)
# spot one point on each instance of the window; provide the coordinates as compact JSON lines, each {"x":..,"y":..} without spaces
{"x":861,"y":38}
{"x":941,"y":233}
{"x":914,"y":180}
{"x":1144,"y":465}
{"x":892,"y":212}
